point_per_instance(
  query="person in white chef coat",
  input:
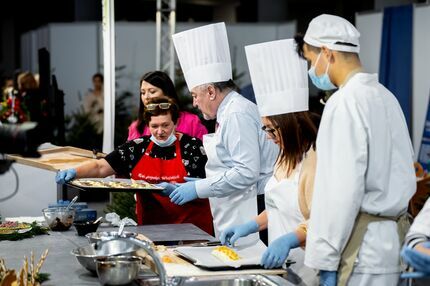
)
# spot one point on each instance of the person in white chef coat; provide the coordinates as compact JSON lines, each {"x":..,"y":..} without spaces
{"x":239,"y":156}
{"x":280,"y":81}
{"x":365,"y":176}
{"x":416,"y":251}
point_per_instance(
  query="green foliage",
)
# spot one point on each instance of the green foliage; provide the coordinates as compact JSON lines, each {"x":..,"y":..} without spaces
{"x":42,"y":277}
{"x":35,"y":230}
{"x":123,"y":204}
{"x":81,"y":132}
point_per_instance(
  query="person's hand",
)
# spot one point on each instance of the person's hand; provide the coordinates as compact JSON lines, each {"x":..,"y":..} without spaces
{"x":233,"y":233}
{"x":184,"y":193}
{"x":168,"y":188}
{"x":191,"y":179}
{"x":65,"y":176}
{"x":418,"y":257}
{"x":328,"y":278}
{"x":414,"y":275}
{"x":277,"y":252}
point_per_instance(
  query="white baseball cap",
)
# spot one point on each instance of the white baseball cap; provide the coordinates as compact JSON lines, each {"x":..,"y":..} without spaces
{"x":331,"y":31}
{"x":204,"y":54}
{"x":279,"y":77}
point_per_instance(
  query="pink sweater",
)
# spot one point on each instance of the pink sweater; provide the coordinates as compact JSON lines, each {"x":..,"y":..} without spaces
{"x":188,"y":123}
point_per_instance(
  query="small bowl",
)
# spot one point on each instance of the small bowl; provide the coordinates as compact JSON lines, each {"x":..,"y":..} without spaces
{"x":59,"y":218}
{"x":117,"y":270}
{"x":94,"y":237}
{"x":84,"y":227}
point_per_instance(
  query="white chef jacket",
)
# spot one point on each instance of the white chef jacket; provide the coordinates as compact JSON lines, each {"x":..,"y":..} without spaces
{"x":365,"y":164}
{"x":420,"y":229}
{"x":242,"y":146}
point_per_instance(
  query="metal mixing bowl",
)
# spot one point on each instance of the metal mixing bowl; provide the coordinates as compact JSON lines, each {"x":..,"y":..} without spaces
{"x":59,"y":218}
{"x":86,"y":255}
{"x":118,"y":270}
{"x":94,"y":237}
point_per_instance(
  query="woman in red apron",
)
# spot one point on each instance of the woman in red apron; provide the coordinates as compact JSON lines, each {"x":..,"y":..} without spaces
{"x":165,"y":156}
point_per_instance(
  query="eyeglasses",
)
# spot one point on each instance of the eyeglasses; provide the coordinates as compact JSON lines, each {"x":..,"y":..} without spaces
{"x":163,"y":105}
{"x":270,"y":131}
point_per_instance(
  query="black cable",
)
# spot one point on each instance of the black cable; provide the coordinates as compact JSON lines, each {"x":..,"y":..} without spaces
{"x":16,"y":187}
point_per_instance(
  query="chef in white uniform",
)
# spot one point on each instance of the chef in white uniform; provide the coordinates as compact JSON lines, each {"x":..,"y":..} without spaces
{"x":280,"y":81}
{"x":365,"y":175}
{"x":416,"y":251}
{"x":238,"y":154}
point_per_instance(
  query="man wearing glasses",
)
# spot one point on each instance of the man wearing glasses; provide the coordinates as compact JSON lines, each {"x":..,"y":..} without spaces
{"x":238,"y":153}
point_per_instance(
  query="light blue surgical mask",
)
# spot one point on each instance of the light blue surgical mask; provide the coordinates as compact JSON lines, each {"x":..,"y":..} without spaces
{"x":322,"y":82}
{"x":164,"y":143}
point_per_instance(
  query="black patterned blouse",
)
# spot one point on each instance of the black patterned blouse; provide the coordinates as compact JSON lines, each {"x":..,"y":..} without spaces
{"x":125,"y":157}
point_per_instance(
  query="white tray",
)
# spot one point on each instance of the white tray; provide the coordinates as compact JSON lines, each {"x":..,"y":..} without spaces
{"x":202,"y":257}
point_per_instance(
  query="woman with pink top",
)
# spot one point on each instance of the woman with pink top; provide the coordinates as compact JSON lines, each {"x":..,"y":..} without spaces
{"x":158,"y":84}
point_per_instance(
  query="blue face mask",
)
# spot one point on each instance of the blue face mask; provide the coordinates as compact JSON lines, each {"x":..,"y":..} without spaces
{"x":169,"y":141}
{"x":322,"y":82}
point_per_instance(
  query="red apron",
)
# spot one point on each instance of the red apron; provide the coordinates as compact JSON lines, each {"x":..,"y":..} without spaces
{"x":153,"y":208}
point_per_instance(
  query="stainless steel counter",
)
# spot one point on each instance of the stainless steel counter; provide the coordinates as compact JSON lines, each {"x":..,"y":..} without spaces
{"x":63,"y":266}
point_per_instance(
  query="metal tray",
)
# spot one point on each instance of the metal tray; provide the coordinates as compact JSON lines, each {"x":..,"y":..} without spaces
{"x":202,"y":257}
{"x":106,"y":185}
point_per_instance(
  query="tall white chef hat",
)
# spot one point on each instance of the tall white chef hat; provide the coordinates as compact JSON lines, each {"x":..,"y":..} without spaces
{"x":333,"y":32}
{"x":279,"y":77}
{"x":204,"y":54}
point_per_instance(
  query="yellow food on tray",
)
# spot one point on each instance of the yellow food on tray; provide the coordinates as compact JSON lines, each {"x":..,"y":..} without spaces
{"x":225,"y":253}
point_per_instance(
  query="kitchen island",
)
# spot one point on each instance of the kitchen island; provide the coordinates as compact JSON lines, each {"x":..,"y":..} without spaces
{"x":63,"y":266}
{"x":66,"y":270}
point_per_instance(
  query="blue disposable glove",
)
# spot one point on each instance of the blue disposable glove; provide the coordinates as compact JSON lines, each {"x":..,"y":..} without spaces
{"x":191,"y":179}
{"x":328,"y":278}
{"x":419,"y":261}
{"x":277,"y":252}
{"x":184,"y":193}
{"x":233,"y":233}
{"x":65,"y":176}
{"x":414,"y":275}
{"x":168,"y":188}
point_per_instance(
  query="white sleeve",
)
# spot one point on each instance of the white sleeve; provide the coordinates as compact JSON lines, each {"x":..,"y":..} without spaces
{"x":242,"y":151}
{"x":339,"y":186}
{"x":420,"y":229}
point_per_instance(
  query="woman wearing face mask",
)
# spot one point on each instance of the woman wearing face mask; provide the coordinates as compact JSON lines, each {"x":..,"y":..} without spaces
{"x":165,"y":155}
{"x":280,"y":83}
{"x":155,"y":84}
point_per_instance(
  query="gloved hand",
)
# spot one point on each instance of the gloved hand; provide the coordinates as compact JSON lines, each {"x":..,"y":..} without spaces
{"x":328,"y":278}
{"x":168,"y":188}
{"x":414,"y":275}
{"x":184,"y":193}
{"x":65,"y":176}
{"x":233,"y":233}
{"x":277,"y":252}
{"x":191,"y":179}
{"x":418,"y":260}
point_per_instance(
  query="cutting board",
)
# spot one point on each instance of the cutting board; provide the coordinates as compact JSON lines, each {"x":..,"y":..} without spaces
{"x":58,"y":158}
{"x":176,"y":266}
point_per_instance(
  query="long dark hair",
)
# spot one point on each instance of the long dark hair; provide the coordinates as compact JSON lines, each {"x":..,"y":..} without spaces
{"x":298,"y":133}
{"x":162,"y":81}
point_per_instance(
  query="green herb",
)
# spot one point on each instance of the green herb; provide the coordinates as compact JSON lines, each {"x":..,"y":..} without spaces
{"x":42,"y":277}
{"x":35,"y":230}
